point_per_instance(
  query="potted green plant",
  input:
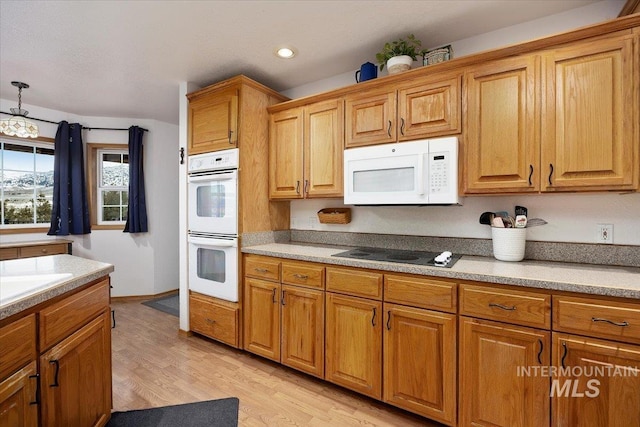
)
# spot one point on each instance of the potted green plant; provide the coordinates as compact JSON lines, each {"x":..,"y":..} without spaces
{"x":398,"y":55}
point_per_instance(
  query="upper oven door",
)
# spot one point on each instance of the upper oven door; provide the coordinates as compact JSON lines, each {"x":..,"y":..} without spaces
{"x":213,"y":203}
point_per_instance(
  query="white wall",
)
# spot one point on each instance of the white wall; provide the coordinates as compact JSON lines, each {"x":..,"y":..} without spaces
{"x":145,"y":263}
{"x":571,"y":217}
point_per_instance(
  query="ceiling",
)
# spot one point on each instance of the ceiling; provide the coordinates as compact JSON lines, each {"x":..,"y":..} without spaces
{"x":127,"y":58}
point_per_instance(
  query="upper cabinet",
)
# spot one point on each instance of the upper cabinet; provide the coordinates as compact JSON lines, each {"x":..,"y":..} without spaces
{"x":418,"y":108}
{"x":305,"y":151}
{"x":213,"y":121}
{"x":501,"y":144}
{"x":588,"y":137}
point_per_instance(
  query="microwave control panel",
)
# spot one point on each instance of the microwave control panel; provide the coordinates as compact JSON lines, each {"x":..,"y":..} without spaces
{"x":439,"y":172}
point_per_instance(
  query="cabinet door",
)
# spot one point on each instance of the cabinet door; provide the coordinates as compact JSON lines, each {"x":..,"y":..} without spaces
{"x":262,"y":318}
{"x":303,"y":329}
{"x":502,"y":127}
{"x":603,"y":388}
{"x":429,"y":108}
{"x":495,"y":389}
{"x":588,"y":125}
{"x":213,"y":122}
{"x":354,"y":344}
{"x":76,"y":377}
{"x":419,"y":361}
{"x":18,"y":398}
{"x":285,"y":154}
{"x":323,"y":149}
{"x":370,"y":118}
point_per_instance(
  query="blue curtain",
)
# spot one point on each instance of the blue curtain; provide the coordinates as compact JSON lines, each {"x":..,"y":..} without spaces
{"x":137,"y":212}
{"x":70,"y":210}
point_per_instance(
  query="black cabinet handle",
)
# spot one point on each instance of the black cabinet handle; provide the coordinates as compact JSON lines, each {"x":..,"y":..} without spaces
{"x":306,"y":186}
{"x":611,"y":322}
{"x":35,"y":399}
{"x":502,"y":307}
{"x":388,"y":320}
{"x":550,"y":173}
{"x":389,"y":130}
{"x":113,"y":319}
{"x":530,"y":173}
{"x":55,"y":377}
{"x":540,"y":351}
{"x":373,"y":319}
{"x":564,"y":354}
{"x":230,"y":133}
{"x":273,"y":297}
{"x":283,"y":295}
{"x":297,"y":187}
{"x":401,"y":126}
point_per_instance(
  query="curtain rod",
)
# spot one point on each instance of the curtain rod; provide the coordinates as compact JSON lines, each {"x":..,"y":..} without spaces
{"x":83,"y":127}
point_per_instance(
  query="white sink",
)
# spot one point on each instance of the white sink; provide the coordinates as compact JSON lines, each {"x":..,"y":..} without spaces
{"x":16,"y":287}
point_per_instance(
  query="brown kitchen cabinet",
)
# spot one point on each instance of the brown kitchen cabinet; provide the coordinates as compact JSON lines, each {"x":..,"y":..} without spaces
{"x":30,"y":249}
{"x":608,"y":392}
{"x":213,"y":121}
{"x":305,"y":151}
{"x":419,"y":361}
{"x":214,"y":318}
{"x":501,"y":142}
{"x":590,"y":112}
{"x":19,"y":398}
{"x":419,"y":108}
{"x":284,"y":314}
{"x":354,"y":343}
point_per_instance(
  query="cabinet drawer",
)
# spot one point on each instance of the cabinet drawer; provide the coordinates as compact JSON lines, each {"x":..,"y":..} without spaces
{"x":262,"y":268}
{"x":303,"y":274}
{"x":18,"y":345}
{"x":595,"y":317}
{"x":356,"y":282}
{"x":8,"y":253}
{"x":420,"y":292}
{"x":62,"y":318}
{"x":519,"y":307}
{"x":31,"y":251}
{"x":214,"y":319}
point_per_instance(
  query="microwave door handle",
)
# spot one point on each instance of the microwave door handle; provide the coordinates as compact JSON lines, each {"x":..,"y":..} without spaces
{"x":420,"y":174}
{"x":206,"y":241}
{"x":213,"y":177}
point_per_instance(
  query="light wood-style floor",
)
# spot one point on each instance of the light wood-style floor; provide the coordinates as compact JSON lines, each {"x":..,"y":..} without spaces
{"x":154,"y":365}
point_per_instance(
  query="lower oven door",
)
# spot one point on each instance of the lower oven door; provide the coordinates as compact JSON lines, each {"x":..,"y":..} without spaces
{"x":213,"y":266}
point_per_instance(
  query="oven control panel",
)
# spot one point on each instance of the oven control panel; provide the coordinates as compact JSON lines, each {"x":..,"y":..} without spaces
{"x":217,"y":160}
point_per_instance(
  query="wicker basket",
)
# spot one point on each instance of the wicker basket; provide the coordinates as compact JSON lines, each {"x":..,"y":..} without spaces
{"x":334,"y":215}
{"x":436,"y":56}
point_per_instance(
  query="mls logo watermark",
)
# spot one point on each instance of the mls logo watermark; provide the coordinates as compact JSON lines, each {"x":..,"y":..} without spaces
{"x":576,"y":381}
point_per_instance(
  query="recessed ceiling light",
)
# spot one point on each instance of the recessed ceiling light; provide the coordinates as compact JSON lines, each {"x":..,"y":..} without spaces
{"x":285,"y":52}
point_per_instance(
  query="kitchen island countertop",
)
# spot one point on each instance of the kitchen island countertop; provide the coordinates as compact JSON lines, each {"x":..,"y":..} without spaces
{"x":582,"y":278}
{"x":27,"y":282}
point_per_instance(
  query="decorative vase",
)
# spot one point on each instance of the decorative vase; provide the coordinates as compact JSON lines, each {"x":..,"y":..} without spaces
{"x":398,"y":64}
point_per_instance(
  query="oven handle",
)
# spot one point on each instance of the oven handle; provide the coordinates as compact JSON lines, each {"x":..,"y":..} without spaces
{"x":213,"y":242}
{"x":219,"y":176}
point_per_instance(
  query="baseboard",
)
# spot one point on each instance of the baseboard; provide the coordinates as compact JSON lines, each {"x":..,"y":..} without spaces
{"x":133,"y":298}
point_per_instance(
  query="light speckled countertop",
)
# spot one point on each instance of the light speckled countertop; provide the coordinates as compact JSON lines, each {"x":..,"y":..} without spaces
{"x":45,"y":277}
{"x":583,"y":278}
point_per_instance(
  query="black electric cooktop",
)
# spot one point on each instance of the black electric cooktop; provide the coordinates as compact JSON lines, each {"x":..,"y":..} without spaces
{"x":396,"y":255}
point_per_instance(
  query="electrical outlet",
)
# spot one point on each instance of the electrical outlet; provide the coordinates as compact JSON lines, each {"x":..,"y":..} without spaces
{"x":605,"y":234}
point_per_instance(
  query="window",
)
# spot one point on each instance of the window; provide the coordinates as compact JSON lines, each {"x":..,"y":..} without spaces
{"x":108,"y":183}
{"x":26,"y":169}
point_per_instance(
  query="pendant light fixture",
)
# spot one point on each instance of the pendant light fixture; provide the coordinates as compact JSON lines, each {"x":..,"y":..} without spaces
{"x":18,"y":125}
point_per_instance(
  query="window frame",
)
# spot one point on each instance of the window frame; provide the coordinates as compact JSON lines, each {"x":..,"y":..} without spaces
{"x":93,"y":161}
{"x":39,"y":141}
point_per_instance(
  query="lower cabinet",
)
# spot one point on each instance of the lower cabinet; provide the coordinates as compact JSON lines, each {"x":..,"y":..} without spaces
{"x":419,"y":361}
{"x":214,"y":318}
{"x":354,"y":343}
{"x":76,"y":377}
{"x":262,"y":318}
{"x":19,"y":398}
{"x":603,"y":388}
{"x":495,"y":387}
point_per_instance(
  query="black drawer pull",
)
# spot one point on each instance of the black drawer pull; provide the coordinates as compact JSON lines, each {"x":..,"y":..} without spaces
{"x":388,"y":320}
{"x":611,"y":322}
{"x":373,"y":319}
{"x":35,"y":400}
{"x":273,"y":296}
{"x":502,"y":307}
{"x":540,"y":352}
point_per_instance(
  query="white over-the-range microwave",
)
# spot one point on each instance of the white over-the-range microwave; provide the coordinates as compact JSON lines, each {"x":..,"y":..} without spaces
{"x":421,"y":172}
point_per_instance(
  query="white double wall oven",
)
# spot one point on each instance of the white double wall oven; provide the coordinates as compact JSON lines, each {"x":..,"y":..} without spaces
{"x":213,"y":224}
